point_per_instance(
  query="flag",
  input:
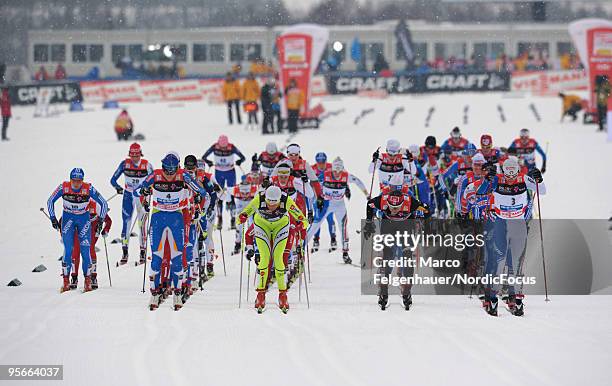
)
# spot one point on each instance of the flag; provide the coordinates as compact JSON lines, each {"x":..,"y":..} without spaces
{"x":356,"y":51}
{"x":404,"y":39}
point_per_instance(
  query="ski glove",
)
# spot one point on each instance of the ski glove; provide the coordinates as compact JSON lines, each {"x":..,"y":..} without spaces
{"x":145,"y":191}
{"x":100,"y":226}
{"x":242,"y":218}
{"x":320,"y":202}
{"x":145,"y":205}
{"x":409,"y":156}
{"x":347,"y":193}
{"x":208,"y":162}
{"x":375,"y":156}
{"x":254,"y":158}
{"x":368,"y":229}
{"x":197,"y":199}
{"x":543,"y":170}
{"x":239,"y":162}
{"x":119,"y":190}
{"x":250,"y":253}
{"x":54,"y":223}
{"x":310,"y":217}
{"x":536,"y":174}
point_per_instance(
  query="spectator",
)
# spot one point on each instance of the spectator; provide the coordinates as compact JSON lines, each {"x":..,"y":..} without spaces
{"x":124,"y":127}
{"x":380,"y":64}
{"x":42,"y":74}
{"x":295,"y":103}
{"x":5,"y":106}
{"x":275,"y":99}
{"x":2,"y":72}
{"x":60,"y":72}
{"x":571,"y":105}
{"x":236,"y":70}
{"x":602,"y":93}
{"x":250,"y":95}
{"x":231,"y":96}
{"x":266,"y":106}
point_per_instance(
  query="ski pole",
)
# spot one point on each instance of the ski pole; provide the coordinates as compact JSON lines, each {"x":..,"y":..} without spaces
{"x":111,"y":197}
{"x":542,"y":241}
{"x":306,"y":290}
{"x":107,"y":263}
{"x":305,"y":244}
{"x":222,"y":251}
{"x":248,"y":281}
{"x":241,"y":265}
{"x":373,"y":173}
{"x":144,"y":265}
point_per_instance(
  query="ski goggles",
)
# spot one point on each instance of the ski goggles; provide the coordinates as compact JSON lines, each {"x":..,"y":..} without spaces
{"x":283,"y":172}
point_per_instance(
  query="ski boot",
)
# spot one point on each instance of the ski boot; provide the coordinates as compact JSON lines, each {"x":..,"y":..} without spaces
{"x":260,"y":301}
{"x":346,"y":258}
{"x":185,"y":292}
{"x":178,"y":300}
{"x":383,"y":301}
{"x":210,"y":271}
{"x":334,"y":244}
{"x":383,"y":297}
{"x":515,"y":304}
{"x":236,"y":248}
{"x":406,"y":297}
{"x":143,"y":256}
{"x":124,"y":258}
{"x":407,"y":301}
{"x":315,"y":245}
{"x":66,"y":286}
{"x":283,"y":304}
{"x":74,"y":280}
{"x":94,"y":281}
{"x":155,"y":300}
{"x":233,"y":223}
{"x":490,"y":305}
{"x":87,"y":286}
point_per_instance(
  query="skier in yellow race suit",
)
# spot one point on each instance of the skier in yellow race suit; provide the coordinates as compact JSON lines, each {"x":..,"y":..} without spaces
{"x":271,"y":211}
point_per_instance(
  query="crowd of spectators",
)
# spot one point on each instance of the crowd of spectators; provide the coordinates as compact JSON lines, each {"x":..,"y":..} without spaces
{"x":42,"y":74}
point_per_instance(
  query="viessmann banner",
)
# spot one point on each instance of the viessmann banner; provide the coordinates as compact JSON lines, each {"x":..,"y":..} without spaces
{"x":420,"y":83}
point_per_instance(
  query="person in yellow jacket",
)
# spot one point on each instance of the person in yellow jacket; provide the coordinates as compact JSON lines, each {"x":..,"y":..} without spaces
{"x":271,"y":210}
{"x":231,"y":96}
{"x":295,"y":103}
{"x":571,"y":105}
{"x":250,"y":96}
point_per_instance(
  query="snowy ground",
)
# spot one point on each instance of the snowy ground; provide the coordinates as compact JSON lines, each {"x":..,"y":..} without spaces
{"x":109,"y":337}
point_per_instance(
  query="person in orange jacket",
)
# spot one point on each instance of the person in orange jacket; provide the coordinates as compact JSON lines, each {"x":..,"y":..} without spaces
{"x":572,"y":104}
{"x":231,"y":96}
{"x":295,"y":103}
{"x":124,"y":127}
{"x":250,"y":96}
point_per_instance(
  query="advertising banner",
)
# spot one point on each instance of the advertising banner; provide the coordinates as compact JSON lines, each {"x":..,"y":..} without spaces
{"x":60,"y":92}
{"x":299,"y":51}
{"x":420,"y":83}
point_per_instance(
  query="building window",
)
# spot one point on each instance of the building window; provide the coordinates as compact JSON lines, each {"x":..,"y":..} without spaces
{"x":199,"y":52}
{"x":456,"y":50}
{"x":374,"y":49}
{"x":117,"y":52}
{"x":58,"y":52}
{"x":135,"y":52}
{"x":419,"y":50}
{"x":533,"y":48}
{"x":236,"y":52}
{"x":41,"y":53}
{"x":565,"y":48}
{"x":254,"y":51}
{"x":79,"y":53}
{"x":217,"y":52}
{"x":96,"y":52}
{"x":497,"y":50}
{"x":180,"y":51}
